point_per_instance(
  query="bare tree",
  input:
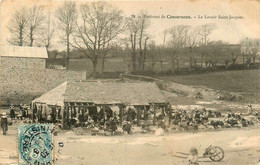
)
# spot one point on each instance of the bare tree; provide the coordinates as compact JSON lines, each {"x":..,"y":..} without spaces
{"x":47,"y":33}
{"x":163,"y":35}
{"x":133,"y":27}
{"x":144,"y":23}
{"x":214,"y":56}
{"x":204,"y":31}
{"x":100,"y":23}
{"x":144,"y":53}
{"x":53,"y":54}
{"x":250,"y":48}
{"x":67,"y":16}
{"x":191,"y":42}
{"x":177,"y":41}
{"x":18,"y":27}
{"x":152,"y":54}
{"x":137,"y":27}
{"x":35,"y":22}
{"x":109,"y":40}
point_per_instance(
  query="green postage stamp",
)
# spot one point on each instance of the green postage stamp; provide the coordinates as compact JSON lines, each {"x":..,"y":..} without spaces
{"x":35,"y":144}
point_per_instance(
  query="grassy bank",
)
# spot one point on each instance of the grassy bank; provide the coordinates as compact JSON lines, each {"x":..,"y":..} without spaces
{"x":245,"y":82}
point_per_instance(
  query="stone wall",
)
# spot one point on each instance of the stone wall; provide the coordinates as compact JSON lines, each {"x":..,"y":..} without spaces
{"x":22,"y":85}
{"x":19,"y":62}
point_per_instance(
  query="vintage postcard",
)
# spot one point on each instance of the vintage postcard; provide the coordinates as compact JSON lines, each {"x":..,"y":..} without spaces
{"x":130,"y":82}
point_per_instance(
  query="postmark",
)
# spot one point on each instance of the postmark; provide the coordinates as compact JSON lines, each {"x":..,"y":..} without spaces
{"x":35,"y":144}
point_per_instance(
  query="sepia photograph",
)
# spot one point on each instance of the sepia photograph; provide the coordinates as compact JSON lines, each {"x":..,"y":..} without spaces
{"x":88,"y":82}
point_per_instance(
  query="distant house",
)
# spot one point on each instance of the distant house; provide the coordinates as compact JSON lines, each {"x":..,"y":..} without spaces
{"x":23,"y":57}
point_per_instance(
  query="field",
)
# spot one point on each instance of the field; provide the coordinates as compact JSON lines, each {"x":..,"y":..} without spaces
{"x":245,"y":82}
{"x":113,"y":65}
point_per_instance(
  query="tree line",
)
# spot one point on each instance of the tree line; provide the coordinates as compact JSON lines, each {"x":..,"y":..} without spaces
{"x":30,"y":27}
{"x":99,"y":29}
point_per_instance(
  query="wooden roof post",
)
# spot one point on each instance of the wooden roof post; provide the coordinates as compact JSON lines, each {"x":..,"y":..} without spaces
{"x":170,"y":115}
{"x":121,"y":113}
{"x":33,"y":110}
{"x":144,"y":113}
{"x":68,"y":112}
{"x":63,"y":115}
{"x":154,"y":113}
{"x":138,"y":115}
{"x":73,"y":113}
{"x":78,"y":111}
{"x":82,"y":112}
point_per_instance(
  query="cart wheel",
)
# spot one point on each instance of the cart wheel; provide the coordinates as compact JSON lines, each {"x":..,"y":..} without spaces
{"x":217,"y":154}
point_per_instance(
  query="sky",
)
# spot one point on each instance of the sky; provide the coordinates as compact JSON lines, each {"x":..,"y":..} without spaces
{"x":231,"y":31}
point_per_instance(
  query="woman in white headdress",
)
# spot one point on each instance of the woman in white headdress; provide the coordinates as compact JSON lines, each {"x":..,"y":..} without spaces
{"x":249,"y":109}
{"x":4,"y":123}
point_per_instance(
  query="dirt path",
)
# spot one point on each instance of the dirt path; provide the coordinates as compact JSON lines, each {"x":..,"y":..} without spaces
{"x":241,"y":146}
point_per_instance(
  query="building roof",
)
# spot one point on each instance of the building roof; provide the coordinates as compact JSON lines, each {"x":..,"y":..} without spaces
{"x":105,"y":93}
{"x":23,"y":51}
{"x":54,"y":96}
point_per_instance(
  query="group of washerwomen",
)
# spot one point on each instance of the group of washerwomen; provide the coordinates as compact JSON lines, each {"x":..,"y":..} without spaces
{"x":23,"y":113}
{"x":106,"y":119}
{"x":46,"y":114}
{"x":183,"y":118}
{"x":196,"y":117}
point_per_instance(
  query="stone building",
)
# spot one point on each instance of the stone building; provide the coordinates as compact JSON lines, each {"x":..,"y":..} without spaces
{"x":23,"y":75}
{"x":23,"y":57}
